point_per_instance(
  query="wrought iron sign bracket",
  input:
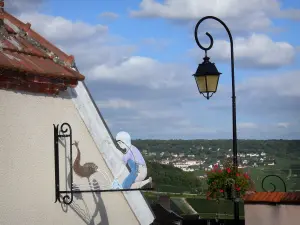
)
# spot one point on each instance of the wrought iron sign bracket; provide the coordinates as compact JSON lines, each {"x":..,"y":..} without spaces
{"x":66,"y":196}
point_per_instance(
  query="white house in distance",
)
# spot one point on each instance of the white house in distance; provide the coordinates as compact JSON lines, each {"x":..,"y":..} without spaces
{"x":40,"y":86}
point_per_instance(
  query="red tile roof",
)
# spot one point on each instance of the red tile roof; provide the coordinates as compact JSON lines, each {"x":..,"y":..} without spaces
{"x":291,"y":197}
{"x":273,"y":197}
{"x":29,"y":62}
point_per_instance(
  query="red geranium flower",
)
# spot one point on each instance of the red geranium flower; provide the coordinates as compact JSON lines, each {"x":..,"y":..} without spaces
{"x":217,"y":180}
{"x":246,"y":176}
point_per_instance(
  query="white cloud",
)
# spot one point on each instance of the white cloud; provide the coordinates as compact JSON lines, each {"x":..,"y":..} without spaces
{"x":285,"y":85}
{"x":156,"y":43}
{"x":101,"y":60}
{"x":140,"y":71}
{"x":240,"y":14}
{"x":283,"y":125}
{"x":60,"y":29}
{"x":293,"y":14}
{"x":266,"y":99}
{"x":109,"y":15}
{"x":147,"y":112}
{"x":92,"y":45}
{"x":258,"y":50}
{"x":115,"y":104}
{"x":149,"y":121}
{"x":247,"y":125}
{"x":21,"y":6}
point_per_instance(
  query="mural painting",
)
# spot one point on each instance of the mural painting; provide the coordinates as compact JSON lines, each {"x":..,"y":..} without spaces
{"x":85,"y":170}
{"x":86,"y":180}
{"x":135,"y":161}
{"x":132,"y":159}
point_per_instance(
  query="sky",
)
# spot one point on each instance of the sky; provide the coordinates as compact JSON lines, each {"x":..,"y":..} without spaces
{"x":138,"y":57}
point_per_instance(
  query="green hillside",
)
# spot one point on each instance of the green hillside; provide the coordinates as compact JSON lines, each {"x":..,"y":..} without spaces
{"x":171,"y":179}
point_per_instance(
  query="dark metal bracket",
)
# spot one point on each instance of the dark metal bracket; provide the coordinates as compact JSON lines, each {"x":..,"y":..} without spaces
{"x":65,"y":131}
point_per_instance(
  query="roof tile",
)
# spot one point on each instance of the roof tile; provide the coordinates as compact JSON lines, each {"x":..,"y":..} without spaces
{"x":273,"y":197}
{"x":291,"y":197}
{"x":28,"y":54}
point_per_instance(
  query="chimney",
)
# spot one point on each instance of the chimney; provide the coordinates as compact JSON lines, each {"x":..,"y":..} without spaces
{"x":165,"y":201}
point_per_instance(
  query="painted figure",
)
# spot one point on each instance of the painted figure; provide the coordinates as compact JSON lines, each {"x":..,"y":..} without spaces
{"x":134,"y":159}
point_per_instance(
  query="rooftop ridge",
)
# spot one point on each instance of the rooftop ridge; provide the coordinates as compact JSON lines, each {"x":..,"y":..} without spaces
{"x":25,"y":31}
{"x":27,"y":53}
{"x":24,"y":53}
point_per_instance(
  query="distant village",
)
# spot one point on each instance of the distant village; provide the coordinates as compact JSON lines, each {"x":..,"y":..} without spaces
{"x":190,"y":163}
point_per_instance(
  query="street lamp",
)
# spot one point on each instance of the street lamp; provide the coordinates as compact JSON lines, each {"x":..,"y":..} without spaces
{"x":207,"y":78}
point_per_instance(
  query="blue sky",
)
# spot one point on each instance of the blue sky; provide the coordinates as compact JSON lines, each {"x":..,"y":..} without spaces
{"x":138,"y":57}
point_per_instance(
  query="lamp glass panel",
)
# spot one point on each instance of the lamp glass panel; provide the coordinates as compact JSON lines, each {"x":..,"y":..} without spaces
{"x":211,"y":80}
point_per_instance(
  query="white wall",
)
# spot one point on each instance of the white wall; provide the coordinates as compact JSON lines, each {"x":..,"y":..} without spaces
{"x":27,"y":165}
{"x":259,"y":214}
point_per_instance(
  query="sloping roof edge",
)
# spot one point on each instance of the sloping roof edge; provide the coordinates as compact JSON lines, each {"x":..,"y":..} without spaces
{"x":273,"y":198}
{"x":27,"y":28}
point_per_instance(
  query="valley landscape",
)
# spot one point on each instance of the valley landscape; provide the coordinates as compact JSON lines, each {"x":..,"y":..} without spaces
{"x":178,"y":169}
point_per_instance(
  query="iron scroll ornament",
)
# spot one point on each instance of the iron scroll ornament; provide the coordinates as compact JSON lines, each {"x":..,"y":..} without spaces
{"x":274,"y":186}
{"x":63,"y":131}
{"x":209,"y":35}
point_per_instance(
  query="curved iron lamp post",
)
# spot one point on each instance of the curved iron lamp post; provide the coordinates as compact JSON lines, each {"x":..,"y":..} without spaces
{"x":207,"y":78}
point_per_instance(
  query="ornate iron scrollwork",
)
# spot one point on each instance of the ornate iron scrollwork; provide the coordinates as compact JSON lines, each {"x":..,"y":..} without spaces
{"x":272,"y":184}
{"x":63,"y":131}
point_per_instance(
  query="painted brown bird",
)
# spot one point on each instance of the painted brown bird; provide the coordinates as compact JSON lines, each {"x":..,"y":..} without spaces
{"x":85,"y":170}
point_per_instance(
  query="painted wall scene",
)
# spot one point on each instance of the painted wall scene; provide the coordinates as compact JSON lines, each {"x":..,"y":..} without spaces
{"x":119,"y":133}
{"x":71,"y":156}
{"x":59,"y":163}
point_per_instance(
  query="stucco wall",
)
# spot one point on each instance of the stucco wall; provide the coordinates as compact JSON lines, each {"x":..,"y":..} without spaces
{"x":27,"y":165}
{"x":272,"y":215}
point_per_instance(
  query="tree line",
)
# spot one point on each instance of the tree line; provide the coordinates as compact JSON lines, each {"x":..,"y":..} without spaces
{"x":274,"y":147}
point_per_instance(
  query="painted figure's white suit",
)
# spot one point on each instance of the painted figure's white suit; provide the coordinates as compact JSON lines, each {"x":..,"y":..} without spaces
{"x":136,"y":162}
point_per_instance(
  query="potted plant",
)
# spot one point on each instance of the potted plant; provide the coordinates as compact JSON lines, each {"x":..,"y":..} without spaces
{"x":227,"y":182}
